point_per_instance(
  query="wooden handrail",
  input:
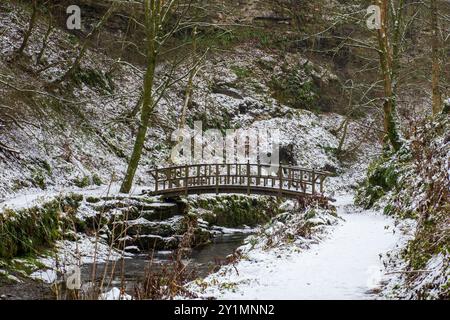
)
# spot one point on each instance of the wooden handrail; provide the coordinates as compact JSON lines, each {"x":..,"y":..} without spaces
{"x":216,"y":178}
{"x":244,"y":164}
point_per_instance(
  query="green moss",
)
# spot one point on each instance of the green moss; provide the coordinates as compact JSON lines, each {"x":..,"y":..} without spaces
{"x":236,"y":211}
{"x":72,"y":39}
{"x":93,"y":78}
{"x":242,"y":72}
{"x":26,"y":265}
{"x":82,"y":182}
{"x":382,"y":177}
{"x":93,"y":199}
{"x":290,"y":89}
{"x":310,"y":214}
{"x":220,"y":121}
{"x":97,"y":180}
{"x":27,"y":231}
{"x":23,"y":232}
{"x":71,"y":202}
{"x":38,"y":179}
{"x":47,"y":167}
{"x":428,"y":240}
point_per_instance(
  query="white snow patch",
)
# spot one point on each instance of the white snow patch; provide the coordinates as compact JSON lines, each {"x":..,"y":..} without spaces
{"x":48,"y":276}
{"x":115,"y":294}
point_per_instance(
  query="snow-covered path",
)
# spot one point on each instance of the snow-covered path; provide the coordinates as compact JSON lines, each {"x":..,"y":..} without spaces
{"x":346,"y":265}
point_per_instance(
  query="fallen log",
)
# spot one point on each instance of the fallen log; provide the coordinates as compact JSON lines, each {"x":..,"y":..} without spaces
{"x":4,"y":147}
{"x":273,"y":18}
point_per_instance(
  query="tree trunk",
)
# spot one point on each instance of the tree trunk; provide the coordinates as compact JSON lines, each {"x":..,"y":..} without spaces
{"x":156,"y":13}
{"x":188,"y":94}
{"x":437,"y":101}
{"x":389,"y":105}
{"x":76,"y":63}
{"x":45,"y":41}
{"x":31,"y":24}
{"x":152,"y":13}
{"x":343,"y":137}
{"x":147,"y":108}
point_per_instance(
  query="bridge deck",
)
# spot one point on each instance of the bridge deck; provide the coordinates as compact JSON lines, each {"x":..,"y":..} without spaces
{"x":279,"y":181}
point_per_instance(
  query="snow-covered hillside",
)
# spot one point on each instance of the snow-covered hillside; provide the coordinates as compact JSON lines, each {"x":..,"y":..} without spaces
{"x":379,"y":230}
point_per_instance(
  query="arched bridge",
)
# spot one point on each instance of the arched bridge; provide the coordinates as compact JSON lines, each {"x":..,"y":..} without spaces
{"x":260,"y":179}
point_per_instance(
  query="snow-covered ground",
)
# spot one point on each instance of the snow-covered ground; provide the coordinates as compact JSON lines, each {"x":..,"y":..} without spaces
{"x":30,"y":199}
{"x":345,"y":265}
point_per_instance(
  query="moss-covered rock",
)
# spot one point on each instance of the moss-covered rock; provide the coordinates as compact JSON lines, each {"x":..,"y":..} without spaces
{"x":294,"y":87}
{"x":39,"y":180}
{"x":235,"y":211}
{"x":27,"y":231}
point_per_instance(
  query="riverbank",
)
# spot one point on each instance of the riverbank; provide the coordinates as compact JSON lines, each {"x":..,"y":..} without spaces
{"x":346,"y":263}
{"x":100,"y":232}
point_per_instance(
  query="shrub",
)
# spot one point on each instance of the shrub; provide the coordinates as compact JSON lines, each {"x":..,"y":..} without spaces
{"x":82,"y":182}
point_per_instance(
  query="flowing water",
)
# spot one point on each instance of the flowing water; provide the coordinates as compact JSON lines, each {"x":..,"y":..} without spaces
{"x":202,"y":261}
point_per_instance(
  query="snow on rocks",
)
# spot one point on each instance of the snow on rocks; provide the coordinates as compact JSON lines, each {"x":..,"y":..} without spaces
{"x":30,"y":199}
{"x":223,"y":230}
{"x":47,"y":276}
{"x":9,"y":277}
{"x":69,"y":254}
{"x":115,"y":294}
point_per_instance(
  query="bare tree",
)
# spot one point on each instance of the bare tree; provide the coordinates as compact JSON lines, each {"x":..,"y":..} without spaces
{"x":157,"y":14}
{"x":50,"y":28}
{"x":389,"y":64}
{"x":196,"y":67}
{"x":82,"y":51}
{"x":29,"y":30}
{"x":188,"y":93}
{"x":436,"y":69}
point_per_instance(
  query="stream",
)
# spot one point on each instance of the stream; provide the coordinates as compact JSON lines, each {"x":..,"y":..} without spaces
{"x":202,"y":261}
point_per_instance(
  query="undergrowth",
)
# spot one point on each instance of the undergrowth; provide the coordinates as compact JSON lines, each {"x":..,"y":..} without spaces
{"x":414,"y":183}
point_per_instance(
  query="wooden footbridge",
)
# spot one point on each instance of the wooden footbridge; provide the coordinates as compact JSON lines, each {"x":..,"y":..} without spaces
{"x":259,"y":179}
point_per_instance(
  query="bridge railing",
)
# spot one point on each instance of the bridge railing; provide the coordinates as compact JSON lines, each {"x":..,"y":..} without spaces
{"x":282,"y":178}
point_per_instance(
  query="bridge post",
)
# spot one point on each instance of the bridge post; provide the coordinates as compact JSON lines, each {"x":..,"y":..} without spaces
{"x":313,"y":179}
{"x":248,"y":177}
{"x":199,"y":178}
{"x":169,"y":176}
{"x":186,"y":179}
{"x":258,"y":179}
{"x":239,"y":170}
{"x":322,"y":179}
{"x":289,"y":178}
{"x":280,"y":180}
{"x":301,"y":181}
{"x":217,"y":178}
